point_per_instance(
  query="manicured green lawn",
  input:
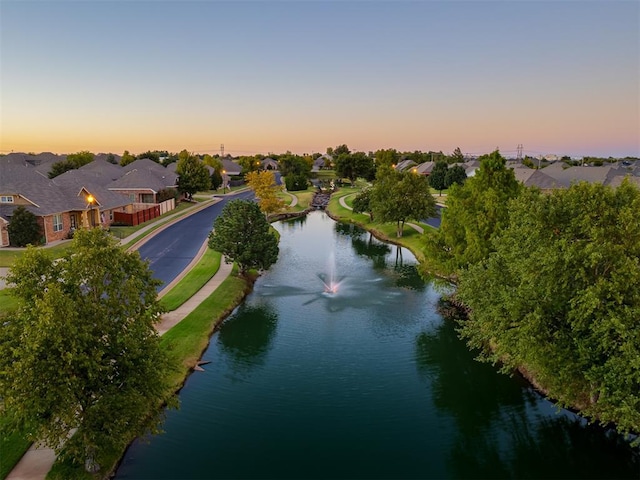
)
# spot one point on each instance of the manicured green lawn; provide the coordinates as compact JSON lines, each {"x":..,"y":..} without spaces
{"x":187,"y":340}
{"x":7,"y":257}
{"x":193,"y":281}
{"x":410,"y":239}
{"x":8,"y":302}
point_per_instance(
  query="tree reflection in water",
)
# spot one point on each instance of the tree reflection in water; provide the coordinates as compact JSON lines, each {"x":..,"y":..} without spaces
{"x":245,"y":338}
{"x":506,"y":432}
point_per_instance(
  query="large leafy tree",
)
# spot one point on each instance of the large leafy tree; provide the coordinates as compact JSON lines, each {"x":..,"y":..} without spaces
{"x":81,"y":351}
{"x":476,"y":213}
{"x":23,"y":228}
{"x":401,"y":196}
{"x":243,"y":235}
{"x":264,"y":186}
{"x":455,"y":175}
{"x":438,"y":177}
{"x":193,"y":175}
{"x":354,"y":165}
{"x":560,"y":297}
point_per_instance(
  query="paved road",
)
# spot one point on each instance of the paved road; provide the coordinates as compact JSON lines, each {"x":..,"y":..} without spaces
{"x":170,"y":251}
{"x":435,"y":221}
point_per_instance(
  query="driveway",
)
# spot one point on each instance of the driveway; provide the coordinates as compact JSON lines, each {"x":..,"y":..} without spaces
{"x":171,"y":250}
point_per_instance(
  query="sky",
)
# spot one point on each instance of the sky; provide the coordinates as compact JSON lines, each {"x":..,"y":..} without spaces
{"x":557,"y":77}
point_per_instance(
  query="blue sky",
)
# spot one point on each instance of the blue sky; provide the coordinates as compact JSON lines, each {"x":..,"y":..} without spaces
{"x":558,"y":77}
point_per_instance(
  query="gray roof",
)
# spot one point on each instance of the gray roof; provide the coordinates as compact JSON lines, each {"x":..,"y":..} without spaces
{"x":405,"y":165}
{"x":425,"y":168}
{"x":100,"y":171}
{"x":75,"y":183}
{"x":145,"y":174}
{"x":567,"y":176}
{"x":536,"y":178}
{"x":46,"y":197}
{"x":231,"y":168}
{"x":145,"y":179}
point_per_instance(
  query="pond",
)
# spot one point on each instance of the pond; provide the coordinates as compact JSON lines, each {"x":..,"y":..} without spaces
{"x":339,"y":366}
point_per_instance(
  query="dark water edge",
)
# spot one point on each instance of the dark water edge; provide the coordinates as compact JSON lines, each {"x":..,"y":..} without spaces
{"x":367,"y":383}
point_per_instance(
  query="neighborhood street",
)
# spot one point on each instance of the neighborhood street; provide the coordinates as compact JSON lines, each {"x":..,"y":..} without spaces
{"x":171,"y":250}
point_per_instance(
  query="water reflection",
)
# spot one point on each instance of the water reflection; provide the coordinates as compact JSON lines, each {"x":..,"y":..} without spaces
{"x":496,"y":436}
{"x":246,"y":337}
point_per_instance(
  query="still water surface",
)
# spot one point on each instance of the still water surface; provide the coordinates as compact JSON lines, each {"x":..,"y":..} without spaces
{"x":367,"y":382}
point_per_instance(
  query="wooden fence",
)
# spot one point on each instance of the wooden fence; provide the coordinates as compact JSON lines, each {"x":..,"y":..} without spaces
{"x":136,"y":218}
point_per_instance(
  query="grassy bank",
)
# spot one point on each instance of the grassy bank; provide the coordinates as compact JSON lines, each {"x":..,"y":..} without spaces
{"x":193,"y":281}
{"x":411,"y":238}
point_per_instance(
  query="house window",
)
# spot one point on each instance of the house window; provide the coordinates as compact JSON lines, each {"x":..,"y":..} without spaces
{"x":57,"y":223}
{"x":6,"y":199}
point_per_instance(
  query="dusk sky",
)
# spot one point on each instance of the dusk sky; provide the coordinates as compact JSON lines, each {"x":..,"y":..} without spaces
{"x":558,"y":77}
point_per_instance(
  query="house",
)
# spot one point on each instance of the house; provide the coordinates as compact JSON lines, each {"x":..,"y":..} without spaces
{"x":530,"y":177}
{"x":231,"y":168}
{"x":60,"y":205}
{"x":323,"y":162}
{"x":405,"y":165}
{"x":269,"y":163}
{"x":142,"y":180}
{"x":425,"y":168}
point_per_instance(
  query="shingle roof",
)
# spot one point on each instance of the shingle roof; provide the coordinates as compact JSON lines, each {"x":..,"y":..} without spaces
{"x":101,"y":171}
{"x":74,"y":182}
{"x":536,"y":178}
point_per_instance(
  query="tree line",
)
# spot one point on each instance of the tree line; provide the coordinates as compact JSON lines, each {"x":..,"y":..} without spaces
{"x":550,"y":281}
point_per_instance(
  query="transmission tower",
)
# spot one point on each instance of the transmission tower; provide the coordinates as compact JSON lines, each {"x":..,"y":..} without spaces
{"x":222,"y":150}
{"x":519,"y":151}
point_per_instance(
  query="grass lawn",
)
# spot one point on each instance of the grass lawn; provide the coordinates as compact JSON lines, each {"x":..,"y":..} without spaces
{"x":410,"y":239}
{"x":8,"y":302}
{"x":187,"y":340}
{"x":193,"y":281}
{"x":7,"y":257}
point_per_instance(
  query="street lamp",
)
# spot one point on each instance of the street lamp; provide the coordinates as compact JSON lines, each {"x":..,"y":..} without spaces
{"x":224,"y":184}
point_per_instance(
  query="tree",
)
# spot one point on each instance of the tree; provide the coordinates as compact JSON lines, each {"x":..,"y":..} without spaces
{"x":264,"y":186}
{"x":455,"y":175}
{"x":242,"y":234}
{"x":559,"y":297}
{"x":387,"y":157}
{"x":23,"y":228}
{"x":249,"y":164}
{"x":111,"y":158}
{"x":193,"y":175}
{"x":340,"y":150}
{"x":127,"y":158}
{"x":401,"y":196}
{"x":82,"y":351}
{"x":354,"y":165}
{"x":80,"y":159}
{"x":296,"y":171}
{"x":476,"y":212}
{"x":362,"y":202}
{"x":438,"y":177}
{"x":154,"y":156}
{"x":456,"y":156}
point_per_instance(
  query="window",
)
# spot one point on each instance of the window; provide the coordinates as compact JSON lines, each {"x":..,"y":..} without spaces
{"x":6,"y":199}
{"x":57,"y":223}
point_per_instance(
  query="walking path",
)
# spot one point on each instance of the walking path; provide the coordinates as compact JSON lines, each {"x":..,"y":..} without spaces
{"x":294,"y":199}
{"x":343,"y":203}
{"x":37,"y":461}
